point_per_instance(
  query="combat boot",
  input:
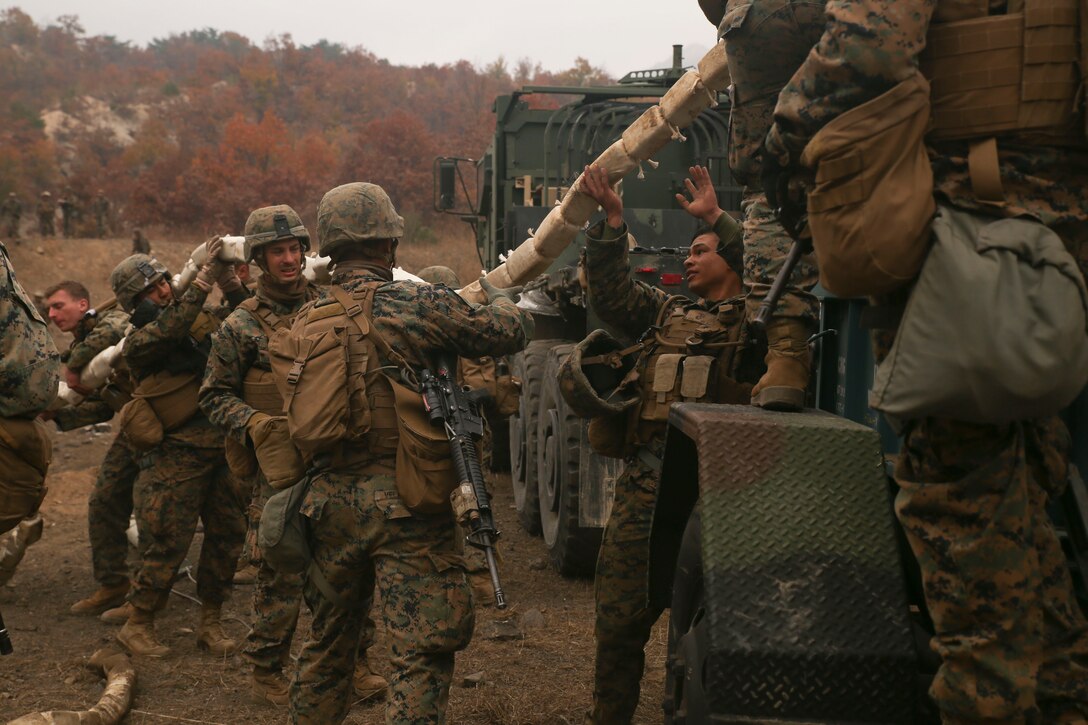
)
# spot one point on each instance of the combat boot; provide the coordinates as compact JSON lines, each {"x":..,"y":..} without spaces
{"x":138,"y":635}
{"x":789,"y":362}
{"x":269,"y":686}
{"x":245,"y":575}
{"x":106,"y":597}
{"x":368,"y":684}
{"x":210,"y":637}
{"x":118,"y":615}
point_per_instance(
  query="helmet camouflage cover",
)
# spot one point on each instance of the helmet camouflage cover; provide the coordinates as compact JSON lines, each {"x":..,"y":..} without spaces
{"x":437,"y":274}
{"x":594,"y":389}
{"x":132,"y":276}
{"x":274,"y":223}
{"x":355,"y":213}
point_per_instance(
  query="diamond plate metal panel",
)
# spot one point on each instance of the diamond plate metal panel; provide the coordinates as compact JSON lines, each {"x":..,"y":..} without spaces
{"x":807,"y":605}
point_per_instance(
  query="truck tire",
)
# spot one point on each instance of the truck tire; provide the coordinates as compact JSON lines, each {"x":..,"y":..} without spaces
{"x":689,"y":640}
{"x":529,"y":366}
{"x":572,"y":548}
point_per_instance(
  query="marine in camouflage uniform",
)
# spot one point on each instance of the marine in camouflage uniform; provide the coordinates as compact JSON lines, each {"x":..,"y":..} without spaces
{"x":11,"y":212}
{"x":238,"y":367}
{"x":1013,"y":642}
{"x":47,"y":213}
{"x":29,"y":375}
{"x":357,"y":521}
{"x":184,"y":477}
{"x":624,"y":615}
{"x":101,"y":208}
{"x":764,"y":41}
{"x":69,"y":213}
{"x":110,"y":504}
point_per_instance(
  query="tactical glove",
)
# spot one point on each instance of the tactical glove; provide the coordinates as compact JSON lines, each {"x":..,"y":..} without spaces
{"x":493,"y":293}
{"x":212,"y":268}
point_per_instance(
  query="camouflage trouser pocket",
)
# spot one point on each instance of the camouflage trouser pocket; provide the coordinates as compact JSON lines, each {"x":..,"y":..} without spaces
{"x":428,"y":603}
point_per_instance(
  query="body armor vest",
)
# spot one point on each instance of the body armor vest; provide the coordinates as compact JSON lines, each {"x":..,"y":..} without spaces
{"x":692,"y":349}
{"x":259,"y":389}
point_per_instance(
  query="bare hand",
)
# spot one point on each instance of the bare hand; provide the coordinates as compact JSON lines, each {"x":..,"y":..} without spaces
{"x":704,"y":200}
{"x":71,"y":378}
{"x":596,"y":187}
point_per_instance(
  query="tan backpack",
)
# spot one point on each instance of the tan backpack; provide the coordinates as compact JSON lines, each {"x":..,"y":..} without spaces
{"x":326,"y":368}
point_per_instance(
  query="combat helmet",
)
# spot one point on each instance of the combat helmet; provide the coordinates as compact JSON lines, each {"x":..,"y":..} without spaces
{"x":593,"y":378}
{"x":437,"y":274}
{"x":355,"y":213}
{"x":273,"y":223}
{"x":132,"y":276}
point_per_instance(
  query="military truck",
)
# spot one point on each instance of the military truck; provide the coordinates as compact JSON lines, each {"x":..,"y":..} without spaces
{"x":544,"y":137}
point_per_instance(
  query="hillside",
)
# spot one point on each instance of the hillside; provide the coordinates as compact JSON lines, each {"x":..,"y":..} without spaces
{"x":194,"y":130}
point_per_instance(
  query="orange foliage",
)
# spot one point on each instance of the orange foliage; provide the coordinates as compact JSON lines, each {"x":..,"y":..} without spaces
{"x":204,"y":126}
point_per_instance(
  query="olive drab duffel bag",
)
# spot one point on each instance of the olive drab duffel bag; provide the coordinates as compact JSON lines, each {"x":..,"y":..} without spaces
{"x":996,"y":327}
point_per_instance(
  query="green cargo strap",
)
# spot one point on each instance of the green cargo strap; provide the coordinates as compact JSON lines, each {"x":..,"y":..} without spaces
{"x":315,"y":575}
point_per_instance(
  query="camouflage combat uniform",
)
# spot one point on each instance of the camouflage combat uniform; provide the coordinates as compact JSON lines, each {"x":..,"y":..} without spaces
{"x":110,"y":504}
{"x":29,"y":374}
{"x":624,"y":615}
{"x":764,"y":41}
{"x":47,"y":211}
{"x":11,"y":213}
{"x":358,"y":524}
{"x":1013,"y":642}
{"x":185,"y":477}
{"x":69,"y":213}
{"x":101,"y":208}
{"x":238,"y":346}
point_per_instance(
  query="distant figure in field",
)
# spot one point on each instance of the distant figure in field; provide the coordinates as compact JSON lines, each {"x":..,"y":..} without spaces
{"x":47,"y":210}
{"x":69,"y":212}
{"x":11,"y":212}
{"x":101,"y":208}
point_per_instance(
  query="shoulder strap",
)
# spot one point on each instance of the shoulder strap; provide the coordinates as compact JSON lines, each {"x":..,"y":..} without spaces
{"x":266,"y":318}
{"x":361,"y":311}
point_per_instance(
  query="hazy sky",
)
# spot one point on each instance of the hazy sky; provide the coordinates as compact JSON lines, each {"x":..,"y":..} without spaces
{"x":618,"y":35}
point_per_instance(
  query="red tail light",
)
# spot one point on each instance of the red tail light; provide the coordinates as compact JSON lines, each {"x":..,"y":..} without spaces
{"x":672,"y":278}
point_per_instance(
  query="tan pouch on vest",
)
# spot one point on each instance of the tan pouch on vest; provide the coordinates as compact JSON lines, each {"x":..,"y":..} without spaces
{"x":279,"y":460}
{"x":142,"y":428}
{"x":872,"y":203}
{"x":696,"y":376}
{"x":172,"y":397}
{"x":425,"y":475}
{"x":311,"y":371}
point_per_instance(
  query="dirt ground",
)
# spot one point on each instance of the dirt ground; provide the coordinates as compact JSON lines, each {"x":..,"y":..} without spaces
{"x":545,"y":676}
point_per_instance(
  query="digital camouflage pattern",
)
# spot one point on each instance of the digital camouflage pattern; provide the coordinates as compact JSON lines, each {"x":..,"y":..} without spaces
{"x":621,"y":583}
{"x":358,"y":525}
{"x":355,"y":212}
{"x":94,"y":334}
{"x":261,"y":227}
{"x":108,"y":511}
{"x":1012,"y":638}
{"x":764,"y":41}
{"x":239,"y":345}
{"x":132,"y":276}
{"x":183,"y":479}
{"x":29,"y":362}
{"x":47,"y":213}
{"x":972,"y":497}
{"x":179,"y":483}
{"x":360,"y":531}
{"x":10,"y":214}
{"x":624,"y":616}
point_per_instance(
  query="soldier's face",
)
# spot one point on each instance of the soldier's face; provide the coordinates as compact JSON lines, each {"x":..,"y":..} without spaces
{"x":283,"y":260}
{"x":705,"y":269}
{"x":161,"y":293}
{"x":64,"y":311}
